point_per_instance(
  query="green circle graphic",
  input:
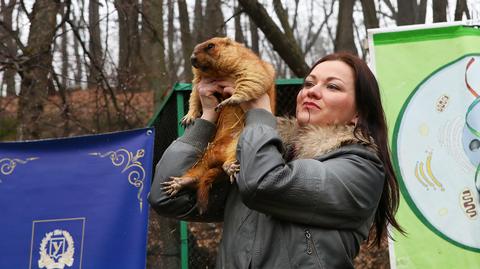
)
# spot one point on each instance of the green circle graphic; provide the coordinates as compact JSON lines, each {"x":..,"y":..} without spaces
{"x":440,"y":188}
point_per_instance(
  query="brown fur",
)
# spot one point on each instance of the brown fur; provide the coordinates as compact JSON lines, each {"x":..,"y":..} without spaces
{"x":311,"y":140}
{"x":228,"y":60}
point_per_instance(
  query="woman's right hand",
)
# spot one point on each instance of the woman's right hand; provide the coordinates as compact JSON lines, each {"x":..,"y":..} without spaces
{"x":207,"y":88}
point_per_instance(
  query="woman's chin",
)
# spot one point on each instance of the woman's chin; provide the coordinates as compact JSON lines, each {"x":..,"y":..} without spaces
{"x":303,"y":118}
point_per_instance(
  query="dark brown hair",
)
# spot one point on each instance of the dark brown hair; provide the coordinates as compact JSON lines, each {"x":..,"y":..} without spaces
{"x":371,"y":123}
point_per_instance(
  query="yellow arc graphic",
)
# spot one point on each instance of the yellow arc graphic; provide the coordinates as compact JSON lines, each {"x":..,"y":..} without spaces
{"x":418,"y":177}
{"x":429,"y":172}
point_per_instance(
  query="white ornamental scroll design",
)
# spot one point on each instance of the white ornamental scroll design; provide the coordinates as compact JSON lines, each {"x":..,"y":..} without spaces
{"x":131,"y":164}
{"x":7,"y":165}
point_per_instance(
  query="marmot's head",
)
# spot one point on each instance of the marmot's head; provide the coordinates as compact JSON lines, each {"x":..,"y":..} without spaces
{"x":209,"y":56}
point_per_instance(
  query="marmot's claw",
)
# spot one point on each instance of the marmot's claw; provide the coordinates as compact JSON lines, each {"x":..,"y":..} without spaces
{"x":218,"y":107}
{"x":232,"y":100}
{"x":173,"y":186}
{"x":187,"y":120}
{"x":231,"y":169}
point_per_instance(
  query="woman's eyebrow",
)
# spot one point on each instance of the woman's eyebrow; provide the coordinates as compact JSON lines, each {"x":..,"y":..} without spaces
{"x":334,"y":78}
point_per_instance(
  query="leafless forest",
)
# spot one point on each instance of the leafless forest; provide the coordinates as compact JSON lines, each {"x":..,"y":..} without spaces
{"x":92,"y":66}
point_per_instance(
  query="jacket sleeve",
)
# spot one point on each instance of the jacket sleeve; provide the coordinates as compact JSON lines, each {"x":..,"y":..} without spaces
{"x":342,"y":191}
{"x":177,"y":158}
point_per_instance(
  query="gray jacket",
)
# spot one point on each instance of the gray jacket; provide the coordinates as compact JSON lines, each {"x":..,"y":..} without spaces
{"x":304,"y":213}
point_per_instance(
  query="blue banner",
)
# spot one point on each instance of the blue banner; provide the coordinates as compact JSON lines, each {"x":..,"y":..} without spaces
{"x":76,"y":202}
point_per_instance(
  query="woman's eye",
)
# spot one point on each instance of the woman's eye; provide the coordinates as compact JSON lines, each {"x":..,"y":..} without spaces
{"x":307,"y":84}
{"x":332,"y":86}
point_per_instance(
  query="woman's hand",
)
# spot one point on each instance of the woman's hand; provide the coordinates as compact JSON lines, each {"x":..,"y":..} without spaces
{"x":207,"y":89}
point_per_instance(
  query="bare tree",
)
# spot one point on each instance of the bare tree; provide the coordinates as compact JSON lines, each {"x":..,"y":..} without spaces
{"x":288,"y":49}
{"x":254,"y":39}
{"x":439,"y":10}
{"x":172,"y":74}
{"x":198,"y":22}
{"x":409,"y":11}
{"x":8,"y":52}
{"x":64,"y":51}
{"x":282,"y":15}
{"x":406,"y":12}
{"x":313,"y":35}
{"x":186,"y":38}
{"x":154,"y":49}
{"x":421,"y":12}
{"x":239,"y":37}
{"x":214,"y":20}
{"x":461,"y":8}
{"x":344,"y":40}
{"x":78,"y":59}
{"x":129,"y":40}
{"x":369,"y":14}
{"x":94,"y":43}
{"x":36,"y":70}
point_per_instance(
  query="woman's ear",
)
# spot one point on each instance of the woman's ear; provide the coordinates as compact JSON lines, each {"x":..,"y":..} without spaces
{"x":354,"y":120}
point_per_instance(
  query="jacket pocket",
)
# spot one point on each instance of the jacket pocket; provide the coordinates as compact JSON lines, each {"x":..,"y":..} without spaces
{"x":311,"y":249}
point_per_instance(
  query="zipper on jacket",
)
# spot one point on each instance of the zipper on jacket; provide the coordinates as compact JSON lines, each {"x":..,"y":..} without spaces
{"x":311,"y":246}
{"x":308,"y":237}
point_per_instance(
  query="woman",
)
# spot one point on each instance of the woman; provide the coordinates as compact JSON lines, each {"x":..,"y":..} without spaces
{"x":308,"y":189}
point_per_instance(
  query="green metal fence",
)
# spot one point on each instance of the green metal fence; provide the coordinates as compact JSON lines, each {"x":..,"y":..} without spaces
{"x":166,"y":122}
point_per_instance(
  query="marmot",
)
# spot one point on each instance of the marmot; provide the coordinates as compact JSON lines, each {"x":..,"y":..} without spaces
{"x":225,"y":59}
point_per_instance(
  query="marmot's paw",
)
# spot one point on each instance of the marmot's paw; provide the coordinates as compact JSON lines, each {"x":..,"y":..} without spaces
{"x":232,"y":100}
{"x":188,"y":119}
{"x":231,"y":169}
{"x":173,"y":186}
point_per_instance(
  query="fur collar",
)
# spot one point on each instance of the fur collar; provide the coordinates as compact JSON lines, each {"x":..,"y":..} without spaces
{"x":311,"y":141}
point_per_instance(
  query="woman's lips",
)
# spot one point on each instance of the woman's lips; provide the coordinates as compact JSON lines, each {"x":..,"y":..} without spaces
{"x":310,"y":105}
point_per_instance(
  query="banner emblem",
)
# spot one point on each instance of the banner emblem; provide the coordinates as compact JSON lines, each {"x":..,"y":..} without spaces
{"x":56,"y":250}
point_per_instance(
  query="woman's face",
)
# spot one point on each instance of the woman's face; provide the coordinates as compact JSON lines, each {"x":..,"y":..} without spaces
{"x":328,"y":95}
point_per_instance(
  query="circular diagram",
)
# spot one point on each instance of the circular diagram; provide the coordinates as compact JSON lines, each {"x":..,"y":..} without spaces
{"x":436,"y":149}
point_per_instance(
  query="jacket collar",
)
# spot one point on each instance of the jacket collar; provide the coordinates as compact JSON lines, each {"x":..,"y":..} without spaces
{"x":311,"y":141}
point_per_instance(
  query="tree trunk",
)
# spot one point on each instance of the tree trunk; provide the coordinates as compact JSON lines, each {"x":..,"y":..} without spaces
{"x":460,"y":8}
{"x":439,"y":10}
{"x":254,"y":37}
{"x":421,"y":12}
{"x":186,"y":38}
{"x":6,"y":12}
{"x":286,"y":48}
{"x":94,"y":44}
{"x":78,"y":59}
{"x":344,"y":40}
{"x":238,"y":25}
{"x":64,"y":51}
{"x":214,"y":19}
{"x":369,"y":14}
{"x":406,"y":12}
{"x":198,"y":22}
{"x":282,"y":15}
{"x":35,"y":73}
{"x":128,"y":43}
{"x":172,"y":74}
{"x":156,"y":76}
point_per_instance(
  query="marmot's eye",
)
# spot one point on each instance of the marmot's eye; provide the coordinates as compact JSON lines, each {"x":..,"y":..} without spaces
{"x":210,"y":46}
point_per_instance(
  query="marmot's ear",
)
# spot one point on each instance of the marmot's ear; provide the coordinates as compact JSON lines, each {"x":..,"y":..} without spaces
{"x":227,"y":40}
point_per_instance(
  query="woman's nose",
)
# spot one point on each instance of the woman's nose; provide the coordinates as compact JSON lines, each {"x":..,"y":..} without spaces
{"x":314,"y":92}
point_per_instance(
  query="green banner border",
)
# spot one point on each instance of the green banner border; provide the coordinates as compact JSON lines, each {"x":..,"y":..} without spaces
{"x":417,"y":35}
{"x":396,"y":164}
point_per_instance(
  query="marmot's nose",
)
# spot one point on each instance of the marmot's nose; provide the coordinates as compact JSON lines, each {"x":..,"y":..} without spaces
{"x":194,"y":61}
